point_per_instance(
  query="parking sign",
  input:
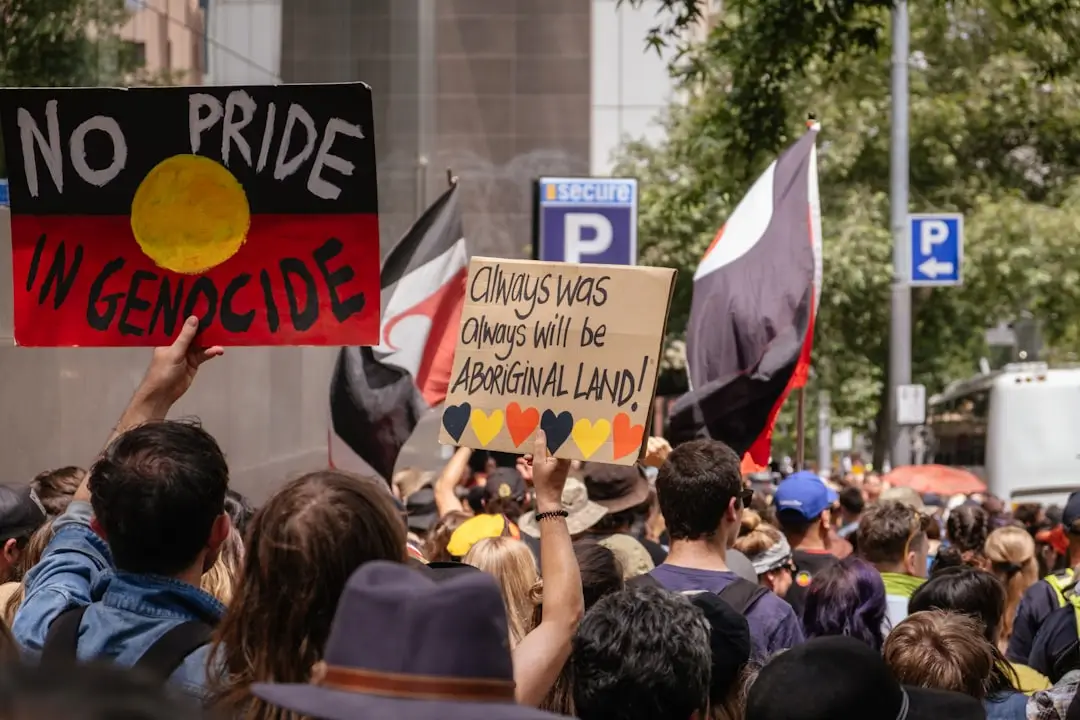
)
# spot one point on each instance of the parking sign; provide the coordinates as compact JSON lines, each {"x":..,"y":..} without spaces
{"x":586,"y":220}
{"x":937,"y":248}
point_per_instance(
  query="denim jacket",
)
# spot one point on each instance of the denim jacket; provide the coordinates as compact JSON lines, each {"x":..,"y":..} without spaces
{"x":127,"y":612}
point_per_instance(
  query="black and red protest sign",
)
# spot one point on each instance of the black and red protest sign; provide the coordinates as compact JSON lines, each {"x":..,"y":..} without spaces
{"x":254,"y":208}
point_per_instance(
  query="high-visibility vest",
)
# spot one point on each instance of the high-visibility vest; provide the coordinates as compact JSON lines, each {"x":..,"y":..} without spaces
{"x":1059,"y":582}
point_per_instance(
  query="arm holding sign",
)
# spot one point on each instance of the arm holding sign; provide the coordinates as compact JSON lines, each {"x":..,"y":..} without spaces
{"x":445,"y":499}
{"x":541,"y":655}
{"x":76,"y":556}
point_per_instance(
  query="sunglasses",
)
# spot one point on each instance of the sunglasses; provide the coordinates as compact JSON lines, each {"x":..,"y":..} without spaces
{"x":745,"y":496}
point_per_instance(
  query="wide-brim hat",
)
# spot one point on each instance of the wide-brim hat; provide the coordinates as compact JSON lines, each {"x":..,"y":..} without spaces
{"x":583,"y":513}
{"x":405,"y":647}
{"x":325,"y":704}
{"x":616,"y":487}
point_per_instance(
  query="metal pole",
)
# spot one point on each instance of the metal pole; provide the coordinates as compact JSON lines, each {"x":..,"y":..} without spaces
{"x":900,"y":325}
{"x":800,"y":430}
{"x":824,"y":436}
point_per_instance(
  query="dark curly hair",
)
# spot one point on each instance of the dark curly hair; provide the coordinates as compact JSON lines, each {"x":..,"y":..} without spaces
{"x":642,"y":654}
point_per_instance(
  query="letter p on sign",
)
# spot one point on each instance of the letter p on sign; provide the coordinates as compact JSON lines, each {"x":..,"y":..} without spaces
{"x":932,"y":232}
{"x":576,"y":226}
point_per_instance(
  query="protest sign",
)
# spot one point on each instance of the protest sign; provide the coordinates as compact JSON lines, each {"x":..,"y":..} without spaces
{"x":568,"y":348}
{"x":253,"y":208}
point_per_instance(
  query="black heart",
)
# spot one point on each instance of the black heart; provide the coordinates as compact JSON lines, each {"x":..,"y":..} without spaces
{"x":455,"y":418}
{"x":557,"y":428}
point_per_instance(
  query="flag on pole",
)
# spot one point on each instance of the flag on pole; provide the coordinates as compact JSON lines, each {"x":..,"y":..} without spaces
{"x":378,"y":394}
{"x":756,"y":294}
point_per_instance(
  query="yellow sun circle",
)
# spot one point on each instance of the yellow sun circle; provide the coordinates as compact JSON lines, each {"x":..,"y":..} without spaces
{"x":190,"y":214}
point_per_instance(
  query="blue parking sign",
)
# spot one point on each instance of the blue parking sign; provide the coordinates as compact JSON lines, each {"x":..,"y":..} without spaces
{"x":586,"y":220}
{"x":936,"y":241}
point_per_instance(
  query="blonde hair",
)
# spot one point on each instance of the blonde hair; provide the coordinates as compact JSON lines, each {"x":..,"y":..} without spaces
{"x":513,"y":565}
{"x":220,"y":580}
{"x":756,"y":536}
{"x":943,"y":651}
{"x":1011,"y":552}
{"x":31,"y":556}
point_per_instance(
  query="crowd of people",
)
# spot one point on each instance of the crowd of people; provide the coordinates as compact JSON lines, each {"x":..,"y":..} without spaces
{"x":520,"y":588}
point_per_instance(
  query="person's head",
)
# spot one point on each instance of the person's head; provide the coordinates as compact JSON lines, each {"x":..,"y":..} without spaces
{"x":439,"y":535}
{"x":803,"y":503}
{"x":967,"y":528}
{"x":1030,"y":515}
{"x":505,"y":493}
{"x":891,"y":536}
{"x":512,"y":563}
{"x":240,"y":512}
{"x":55,"y":488}
{"x":839,"y":677}
{"x":220,"y":580}
{"x":623,"y":490}
{"x":88,"y":692}
{"x":158,"y":494}
{"x":1070,"y":519}
{"x":729,"y":636}
{"x":642,"y":654}
{"x":30,"y":557}
{"x":21,"y":514}
{"x":977,"y":594}
{"x":941,"y":650}
{"x":302,"y":546}
{"x":701,"y":493}
{"x":1011,"y":554}
{"x":601,"y":575}
{"x":852,"y":504}
{"x":768,"y":551}
{"x":847,"y":598}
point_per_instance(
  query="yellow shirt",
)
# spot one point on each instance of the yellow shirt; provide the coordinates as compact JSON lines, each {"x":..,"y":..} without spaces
{"x":1030,"y":680}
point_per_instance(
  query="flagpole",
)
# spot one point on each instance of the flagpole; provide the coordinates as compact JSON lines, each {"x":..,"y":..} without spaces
{"x":800,"y":429}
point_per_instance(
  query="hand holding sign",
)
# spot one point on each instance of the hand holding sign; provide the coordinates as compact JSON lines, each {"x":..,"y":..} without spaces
{"x":173,"y":368}
{"x":566,"y":351}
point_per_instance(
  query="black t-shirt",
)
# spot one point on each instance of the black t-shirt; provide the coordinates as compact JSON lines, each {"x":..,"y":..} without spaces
{"x":1035,"y":607}
{"x":656,"y":552}
{"x":807,"y":564}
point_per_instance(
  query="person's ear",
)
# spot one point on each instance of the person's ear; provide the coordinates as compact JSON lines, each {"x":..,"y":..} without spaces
{"x":909,"y":562}
{"x":219,"y":533}
{"x":732,"y":513}
{"x":11,"y":552}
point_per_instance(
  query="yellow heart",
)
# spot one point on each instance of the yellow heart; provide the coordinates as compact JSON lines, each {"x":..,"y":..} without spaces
{"x":590,"y":436}
{"x":486,"y":426}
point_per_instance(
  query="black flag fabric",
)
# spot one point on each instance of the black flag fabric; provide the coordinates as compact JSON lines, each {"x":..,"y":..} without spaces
{"x":755,"y":298}
{"x":378,"y":394}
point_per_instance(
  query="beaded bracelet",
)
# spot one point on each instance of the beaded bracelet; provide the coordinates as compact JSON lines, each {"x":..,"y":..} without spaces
{"x":552,"y":514}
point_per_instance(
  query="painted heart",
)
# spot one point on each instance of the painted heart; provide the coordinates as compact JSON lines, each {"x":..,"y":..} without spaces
{"x":486,"y":426}
{"x":557,"y":428}
{"x":589,"y":436}
{"x":455,"y":418}
{"x":626,"y":438}
{"x":521,"y":423}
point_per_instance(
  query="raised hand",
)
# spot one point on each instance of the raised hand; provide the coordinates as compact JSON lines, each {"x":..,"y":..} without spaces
{"x":173,"y":367}
{"x":548,"y":475}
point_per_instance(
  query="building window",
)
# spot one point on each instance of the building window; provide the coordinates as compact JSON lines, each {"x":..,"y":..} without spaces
{"x":134,"y":55}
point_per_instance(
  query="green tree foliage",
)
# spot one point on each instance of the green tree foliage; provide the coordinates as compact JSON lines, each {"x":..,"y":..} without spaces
{"x":995,"y":101}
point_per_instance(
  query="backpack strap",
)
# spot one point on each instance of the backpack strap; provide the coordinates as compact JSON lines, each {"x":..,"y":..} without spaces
{"x":742,"y":594}
{"x":643,"y":581}
{"x":170,"y":650}
{"x":62,"y":640}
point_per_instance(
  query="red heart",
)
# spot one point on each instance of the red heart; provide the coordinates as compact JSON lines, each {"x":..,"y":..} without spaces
{"x":521,"y":423}
{"x":626,"y":437}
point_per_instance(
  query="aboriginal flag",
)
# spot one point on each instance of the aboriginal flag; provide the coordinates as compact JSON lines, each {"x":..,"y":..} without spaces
{"x":379,"y":394}
{"x":752,"y":318}
{"x":253,"y":208}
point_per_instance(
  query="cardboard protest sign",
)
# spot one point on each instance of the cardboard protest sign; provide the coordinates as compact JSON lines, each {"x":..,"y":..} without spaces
{"x":571,"y":349}
{"x":253,"y":208}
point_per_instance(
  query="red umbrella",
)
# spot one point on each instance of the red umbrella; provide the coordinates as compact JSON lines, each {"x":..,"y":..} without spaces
{"x":938,"y":479}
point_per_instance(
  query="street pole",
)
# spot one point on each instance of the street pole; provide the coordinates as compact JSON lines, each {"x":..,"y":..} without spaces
{"x":824,"y":436}
{"x":900,"y":323}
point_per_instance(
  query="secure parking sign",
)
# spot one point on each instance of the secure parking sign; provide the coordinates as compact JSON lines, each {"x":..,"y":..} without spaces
{"x":586,"y":220}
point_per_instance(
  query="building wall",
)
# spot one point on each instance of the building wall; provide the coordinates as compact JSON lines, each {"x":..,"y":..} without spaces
{"x":630,"y":82}
{"x":169,"y":35}
{"x":243,"y":42}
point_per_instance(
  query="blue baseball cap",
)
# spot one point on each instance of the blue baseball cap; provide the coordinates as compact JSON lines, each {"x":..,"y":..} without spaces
{"x":805,"y":493}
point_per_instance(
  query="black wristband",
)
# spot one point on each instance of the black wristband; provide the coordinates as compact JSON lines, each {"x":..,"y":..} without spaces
{"x":552,"y":514}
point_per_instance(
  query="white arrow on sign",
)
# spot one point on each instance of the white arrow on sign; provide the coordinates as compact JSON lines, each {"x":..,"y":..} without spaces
{"x":933,"y":267}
